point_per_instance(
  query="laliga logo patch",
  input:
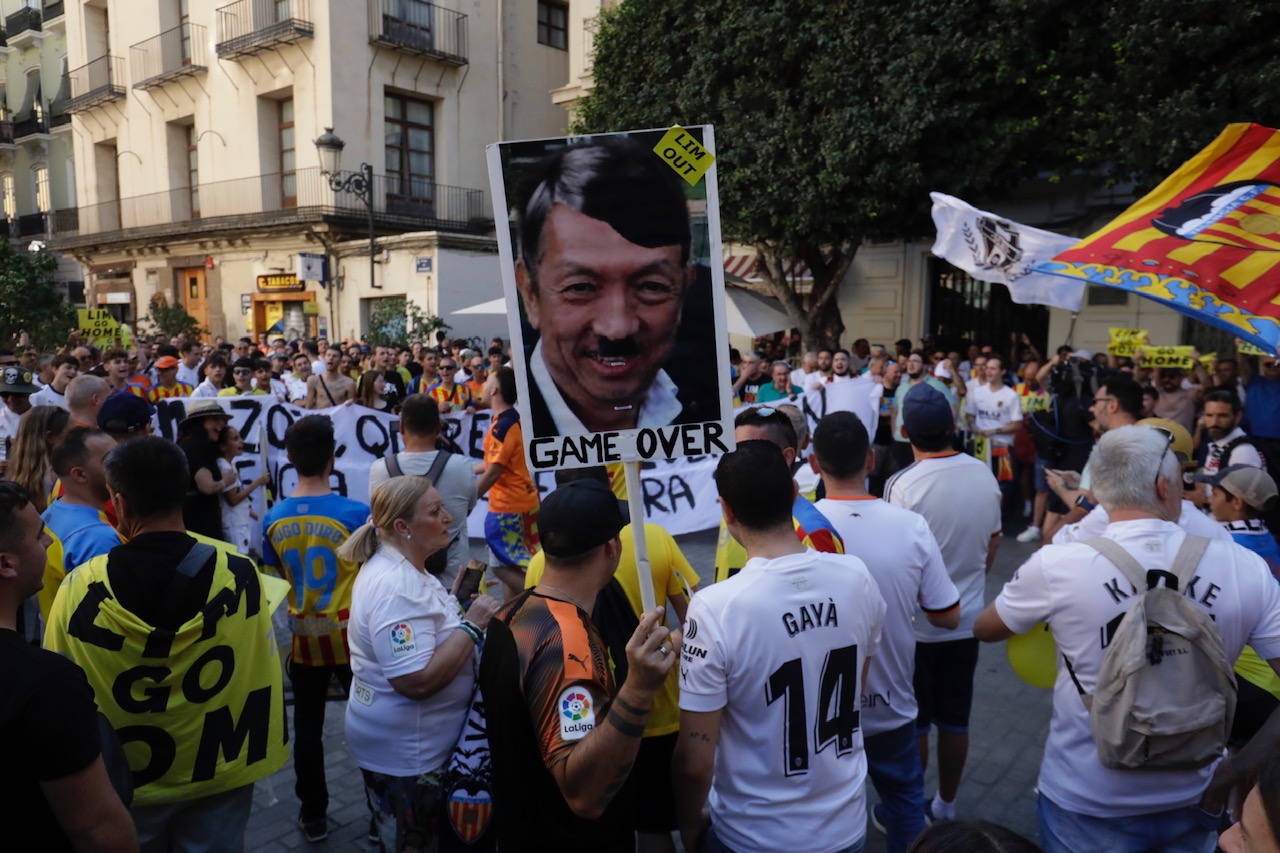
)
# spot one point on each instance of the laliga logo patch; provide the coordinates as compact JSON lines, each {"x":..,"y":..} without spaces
{"x":577,"y":716}
{"x":402,"y":640}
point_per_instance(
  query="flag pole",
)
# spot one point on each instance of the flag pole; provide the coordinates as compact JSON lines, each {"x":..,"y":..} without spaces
{"x":635,"y":500}
{"x":1071,"y":330}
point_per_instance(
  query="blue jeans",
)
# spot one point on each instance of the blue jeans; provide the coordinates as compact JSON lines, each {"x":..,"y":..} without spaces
{"x":893,"y":763}
{"x":711,"y":844}
{"x":1185,"y":830}
{"x":213,"y":824}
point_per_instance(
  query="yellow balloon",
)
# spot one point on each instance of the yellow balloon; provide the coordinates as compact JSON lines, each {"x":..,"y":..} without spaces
{"x":1034,"y":656}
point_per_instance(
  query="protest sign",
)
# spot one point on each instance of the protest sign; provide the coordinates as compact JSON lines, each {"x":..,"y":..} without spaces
{"x":679,"y":495}
{"x":611,"y":269}
{"x":1246,"y":348}
{"x":1168,"y":357}
{"x":98,"y":327}
{"x":1125,"y":342}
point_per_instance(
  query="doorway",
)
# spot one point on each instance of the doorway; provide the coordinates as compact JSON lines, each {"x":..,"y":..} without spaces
{"x":195,"y":294}
{"x":964,"y":310}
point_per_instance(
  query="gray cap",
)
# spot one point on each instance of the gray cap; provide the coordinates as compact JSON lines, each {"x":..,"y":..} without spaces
{"x":1247,"y":482}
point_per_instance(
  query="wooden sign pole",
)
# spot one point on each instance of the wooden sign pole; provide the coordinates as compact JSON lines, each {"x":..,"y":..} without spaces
{"x":635,"y":499}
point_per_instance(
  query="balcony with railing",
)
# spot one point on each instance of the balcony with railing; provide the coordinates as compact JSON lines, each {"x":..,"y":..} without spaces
{"x":22,"y":25}
{"x":51,"y":10}
{"x":178,"y":52}
{"x":31,"y":124}
{"x":6,"y":133}
{"x":252,"y":26}
{"x":419,"y":27}
{"x":33,"y":225}
{"x":96,"y":83}
{"x":281,"y":199}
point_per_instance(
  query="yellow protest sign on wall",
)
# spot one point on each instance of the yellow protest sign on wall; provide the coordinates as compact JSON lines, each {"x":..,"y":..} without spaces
{"x":1168,"y":357}
{"x":199,"y":710}
{"x":679,"y":150}
{"x":1125,"y":342}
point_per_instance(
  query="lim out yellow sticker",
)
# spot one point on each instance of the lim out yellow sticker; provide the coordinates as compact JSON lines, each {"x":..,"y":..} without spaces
{"x":684,"y":154}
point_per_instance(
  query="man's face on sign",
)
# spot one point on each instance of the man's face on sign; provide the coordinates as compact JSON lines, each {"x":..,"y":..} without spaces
{"x":606,"y":309}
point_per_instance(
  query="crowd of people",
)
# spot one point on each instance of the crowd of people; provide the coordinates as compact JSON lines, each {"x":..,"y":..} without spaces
{"x":532,"y":702}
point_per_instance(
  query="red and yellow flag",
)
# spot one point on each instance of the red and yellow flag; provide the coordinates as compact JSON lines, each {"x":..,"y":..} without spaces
{"x":1205,"y":242}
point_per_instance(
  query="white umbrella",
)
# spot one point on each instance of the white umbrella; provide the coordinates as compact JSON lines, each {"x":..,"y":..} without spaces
{"x":493,"y":306}
{"x":754,"y":315}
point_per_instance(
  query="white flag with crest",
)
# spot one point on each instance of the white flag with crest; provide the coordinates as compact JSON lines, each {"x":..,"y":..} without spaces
{"x":991,"y":248}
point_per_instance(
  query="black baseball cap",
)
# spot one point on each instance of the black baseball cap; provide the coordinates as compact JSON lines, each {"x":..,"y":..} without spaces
{"x":579,"y":516}
{"x":17,"y":380}
{"x":124,"y":413}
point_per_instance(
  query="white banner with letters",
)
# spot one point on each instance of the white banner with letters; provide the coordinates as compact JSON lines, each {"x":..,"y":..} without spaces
{"x":680,"y":495}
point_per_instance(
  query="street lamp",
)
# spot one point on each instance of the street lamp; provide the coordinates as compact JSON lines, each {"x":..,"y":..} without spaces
{"x":358,"y":183}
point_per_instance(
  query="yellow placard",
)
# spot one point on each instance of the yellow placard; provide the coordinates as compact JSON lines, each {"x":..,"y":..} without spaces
{"x":1168,"y":357}
{"x":311,"y":309}
{"x":1208,"y":360}
{"x":1125,"y":342}
{"x":97,"y":326}
{"x":1246,"y":348}
{"x":679,"y":150}
{"x":981,"y":448}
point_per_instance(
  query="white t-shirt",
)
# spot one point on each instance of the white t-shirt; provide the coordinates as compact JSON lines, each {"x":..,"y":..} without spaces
{"x":805,"y":380}
{"x":908,"y":569}
{"x":296,"y":387}
{"x":206,"y":389}
{"x":47,"y":396}
{"x":399,"y":615}
{"x":764,"y":645}
{"x":237,"y":525}
{"x":1095,"y":523}
{"x":1242,"y":454}
{"x":188,"y":375}
{"x":457,"y":488}
{"x":960,"y":499}
{"x":993,"y":410}
{"x":1080,"y":594}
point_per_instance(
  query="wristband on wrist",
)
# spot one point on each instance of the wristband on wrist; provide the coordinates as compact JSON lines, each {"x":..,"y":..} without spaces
{"x":470,"y":630}
{"x":473,"y":626}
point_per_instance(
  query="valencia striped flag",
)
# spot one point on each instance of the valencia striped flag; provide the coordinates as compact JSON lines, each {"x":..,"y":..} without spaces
{"x":1205,"y":242}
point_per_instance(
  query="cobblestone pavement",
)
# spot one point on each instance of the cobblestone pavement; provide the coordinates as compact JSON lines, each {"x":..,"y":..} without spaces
{"x":1010,"y":721}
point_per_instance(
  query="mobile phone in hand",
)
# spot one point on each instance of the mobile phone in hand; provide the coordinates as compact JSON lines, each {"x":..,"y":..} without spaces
{"x":470,"y":583}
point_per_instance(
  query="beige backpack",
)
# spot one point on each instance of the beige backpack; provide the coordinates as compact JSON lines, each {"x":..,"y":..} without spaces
{"x":1165,"y":693}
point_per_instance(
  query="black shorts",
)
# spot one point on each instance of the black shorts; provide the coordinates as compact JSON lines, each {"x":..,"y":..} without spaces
{"x":655,"y":802}
{"x":944,"y":684}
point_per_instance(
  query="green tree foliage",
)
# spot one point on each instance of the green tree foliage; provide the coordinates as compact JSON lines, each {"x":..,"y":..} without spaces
{"x":167,"y":321}
{"x":835,"y":120}
{"x":29,"y":302}
{"x":394,"y":321}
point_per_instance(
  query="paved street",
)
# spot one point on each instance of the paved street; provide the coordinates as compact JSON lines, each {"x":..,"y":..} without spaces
{"x":1010,"y":720}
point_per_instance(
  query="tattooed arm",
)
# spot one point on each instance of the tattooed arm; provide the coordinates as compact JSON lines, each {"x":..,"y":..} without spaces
{"x":595,"y":769}
{"x":692,"y":767}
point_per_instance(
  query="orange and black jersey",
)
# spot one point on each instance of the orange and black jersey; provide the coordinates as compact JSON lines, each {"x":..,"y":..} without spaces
{"x":547,"y":682}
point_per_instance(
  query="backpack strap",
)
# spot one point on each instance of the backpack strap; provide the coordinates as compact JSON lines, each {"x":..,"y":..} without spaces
{"x":437,"y":465}
{"x":1187,"y":558}
{"x":1227,"y":449}
{"x":1122,"y":560}
{"x":393,"y":466}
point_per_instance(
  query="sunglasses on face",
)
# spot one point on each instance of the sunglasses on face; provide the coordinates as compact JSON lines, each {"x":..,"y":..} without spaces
{"x":242,"y":370}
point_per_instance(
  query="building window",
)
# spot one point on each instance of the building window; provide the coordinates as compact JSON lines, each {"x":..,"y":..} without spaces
{"x":43,"y":202}
{"x":553,"y":24}
{"x":410,"y":148}
{"x":1106,"y":296}
{"x":193,"y":170}
{"x":10,"y":199}
{"x":288,"y":164}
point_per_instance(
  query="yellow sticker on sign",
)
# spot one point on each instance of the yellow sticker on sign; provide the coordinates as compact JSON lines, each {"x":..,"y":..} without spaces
{"x":1125,"y":342}
{"x":684,"y":154}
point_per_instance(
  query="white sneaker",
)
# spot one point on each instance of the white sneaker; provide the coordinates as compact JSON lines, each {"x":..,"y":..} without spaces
{"x":1031,"y":534}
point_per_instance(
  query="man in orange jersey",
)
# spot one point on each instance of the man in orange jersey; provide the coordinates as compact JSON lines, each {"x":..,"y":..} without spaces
{"x":510,"y":528}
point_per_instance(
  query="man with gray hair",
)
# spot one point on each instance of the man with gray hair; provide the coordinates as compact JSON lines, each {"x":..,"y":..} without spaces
{"x":85,"y":396}
{"x":1083,"y":596}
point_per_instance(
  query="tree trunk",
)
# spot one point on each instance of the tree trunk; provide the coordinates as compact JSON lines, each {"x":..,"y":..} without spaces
{"x":817,"y":313}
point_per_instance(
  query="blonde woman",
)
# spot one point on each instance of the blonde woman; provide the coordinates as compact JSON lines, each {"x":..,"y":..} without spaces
{"x":413,"y":658}
{"x":39,"y":431}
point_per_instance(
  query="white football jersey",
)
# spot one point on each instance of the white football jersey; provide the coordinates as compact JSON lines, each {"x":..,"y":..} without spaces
{"x":780,"y":647}
{"x":907,"y":567}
